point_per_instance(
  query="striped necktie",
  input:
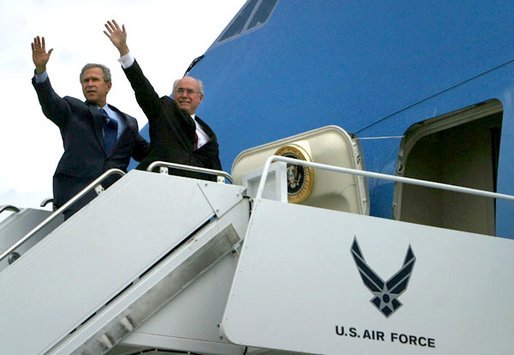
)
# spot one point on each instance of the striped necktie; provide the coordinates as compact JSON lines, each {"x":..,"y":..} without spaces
{"x":195,"y":143}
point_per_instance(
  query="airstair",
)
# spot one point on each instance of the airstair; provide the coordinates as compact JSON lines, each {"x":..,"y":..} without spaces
{"x":95,"y":278}
{"x":164,"y":264}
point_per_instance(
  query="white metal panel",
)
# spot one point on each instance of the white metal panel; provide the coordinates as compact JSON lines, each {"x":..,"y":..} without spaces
{"x":87,"y":260}
{"x":190,"y":322}
{"x":17,"y":225}
{"x":276,"y":182}
{"x":221,"y":197}
{"x":189,"y":265}
{"x":297,"y":286}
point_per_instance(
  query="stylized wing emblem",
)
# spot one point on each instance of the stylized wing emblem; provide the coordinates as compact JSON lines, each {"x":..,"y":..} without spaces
{"x":386,"y":293}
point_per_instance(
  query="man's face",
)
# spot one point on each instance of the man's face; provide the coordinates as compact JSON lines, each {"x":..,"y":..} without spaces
{"x":94,"y":86}
{"x":187,"y":95}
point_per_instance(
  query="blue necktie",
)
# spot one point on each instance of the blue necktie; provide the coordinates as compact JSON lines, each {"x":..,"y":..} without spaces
{"x":110,"y":127}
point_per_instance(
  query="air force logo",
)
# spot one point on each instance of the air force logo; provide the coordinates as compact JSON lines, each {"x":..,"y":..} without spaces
{"x":386,"y":293}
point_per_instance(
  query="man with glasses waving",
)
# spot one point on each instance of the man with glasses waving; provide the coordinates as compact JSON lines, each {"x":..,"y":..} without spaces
{"x":177,"y":134}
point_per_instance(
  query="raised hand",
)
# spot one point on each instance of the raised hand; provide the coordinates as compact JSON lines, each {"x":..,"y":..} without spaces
{"x":117,"y":35}
{"x":40,"y":56}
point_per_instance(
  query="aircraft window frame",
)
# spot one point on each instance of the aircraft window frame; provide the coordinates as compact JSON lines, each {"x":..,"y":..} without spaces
{"x":254,"y":14}
{"x":262,"y":13}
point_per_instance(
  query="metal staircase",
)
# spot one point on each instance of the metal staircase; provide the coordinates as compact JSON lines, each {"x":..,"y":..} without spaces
{"x":97,"y":277}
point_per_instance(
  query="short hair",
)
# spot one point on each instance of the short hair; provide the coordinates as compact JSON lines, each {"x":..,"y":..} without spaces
{"x":198,"y":81}
{"x":105,"y":70}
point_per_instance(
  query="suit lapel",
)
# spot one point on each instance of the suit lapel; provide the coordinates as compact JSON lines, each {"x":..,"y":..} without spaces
{"x":206,"y":128}
{"x":130,"y":123}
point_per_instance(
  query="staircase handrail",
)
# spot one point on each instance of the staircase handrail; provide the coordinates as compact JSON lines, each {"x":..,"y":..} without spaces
{"x":218,"y":173}
{"x":96,"y":184}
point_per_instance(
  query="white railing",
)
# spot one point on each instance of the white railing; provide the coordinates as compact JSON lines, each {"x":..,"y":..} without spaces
{"x":370,"y":174}
{"x":9,"y":208}
{"x":164,"y":165}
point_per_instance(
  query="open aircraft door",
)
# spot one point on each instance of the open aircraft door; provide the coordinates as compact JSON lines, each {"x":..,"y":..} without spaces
{"x":329,"y":145}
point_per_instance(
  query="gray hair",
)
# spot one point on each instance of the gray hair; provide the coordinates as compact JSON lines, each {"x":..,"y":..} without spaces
{"x":198,"y":81}
{"x":105,"y":70}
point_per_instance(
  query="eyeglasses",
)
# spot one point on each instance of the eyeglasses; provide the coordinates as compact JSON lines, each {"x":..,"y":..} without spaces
{"x":182,"y":91}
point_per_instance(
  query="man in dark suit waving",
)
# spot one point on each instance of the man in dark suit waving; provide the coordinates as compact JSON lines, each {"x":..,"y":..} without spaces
{"x":96,"y":136}
{"x":177,"y":134}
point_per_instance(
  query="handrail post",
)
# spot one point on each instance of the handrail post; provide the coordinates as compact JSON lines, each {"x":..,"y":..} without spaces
{"x":264,"y":176}
{"x":46,"y":201}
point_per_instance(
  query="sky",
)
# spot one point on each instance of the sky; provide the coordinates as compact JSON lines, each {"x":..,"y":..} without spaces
{"x":164,"y":36}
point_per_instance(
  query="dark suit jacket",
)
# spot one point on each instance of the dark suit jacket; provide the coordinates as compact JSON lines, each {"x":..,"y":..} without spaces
{"x":172,"y":130}
{"x":84,"y":157}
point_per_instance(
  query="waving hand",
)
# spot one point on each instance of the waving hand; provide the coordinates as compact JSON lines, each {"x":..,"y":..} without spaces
{"x":117,"y":35}
{"x":40,"y":56}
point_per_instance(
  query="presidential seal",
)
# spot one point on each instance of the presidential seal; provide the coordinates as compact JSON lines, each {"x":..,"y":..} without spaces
{"x":300,"y":180}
